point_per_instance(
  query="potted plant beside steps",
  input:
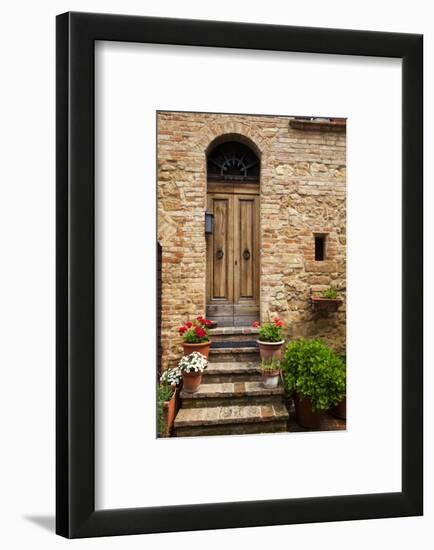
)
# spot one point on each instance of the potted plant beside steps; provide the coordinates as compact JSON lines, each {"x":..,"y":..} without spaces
{"x":167,"y":400}
{"x":270,"y":371}
{"x":270,"y":339}
{"x":192,"y":367}
{"x":195,"y":336}
{"x":315,"y":376}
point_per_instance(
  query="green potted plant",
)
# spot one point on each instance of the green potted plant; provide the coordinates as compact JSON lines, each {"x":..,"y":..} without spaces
{"x":192,"y":367}
{"x":340,"y":410}
{"x":195,"y":336}
{"x":167,"y":400}
{"x":315,"y":376}
{"x":270,"y":371}
{"x":270,"y":339}
{"x":326,"y":300}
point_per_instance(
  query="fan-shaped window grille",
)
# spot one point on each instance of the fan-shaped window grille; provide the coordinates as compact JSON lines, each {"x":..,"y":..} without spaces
{"x":233,"y":161}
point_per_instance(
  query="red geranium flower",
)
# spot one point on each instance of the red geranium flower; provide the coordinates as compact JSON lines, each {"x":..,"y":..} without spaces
{"x":200,"y":319}
{"x":188,"y":324}
{"x":256,"y":324}
{"x":207,"y":322}
{"x":200,"y":333}
{"x":181,"y":330}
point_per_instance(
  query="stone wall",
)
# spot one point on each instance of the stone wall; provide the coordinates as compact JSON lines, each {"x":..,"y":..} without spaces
{"x":303,"y":193}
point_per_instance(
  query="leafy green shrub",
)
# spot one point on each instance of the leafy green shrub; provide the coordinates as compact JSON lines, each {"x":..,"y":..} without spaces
{"x":329,"y":293}
{"x":311,"y":369}
{"x":343,"y":355}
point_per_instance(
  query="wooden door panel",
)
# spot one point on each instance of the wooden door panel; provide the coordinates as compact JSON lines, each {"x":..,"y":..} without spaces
{"x":246,"y":259}
{"x":220,"y":250}
{"x":246,"y":235}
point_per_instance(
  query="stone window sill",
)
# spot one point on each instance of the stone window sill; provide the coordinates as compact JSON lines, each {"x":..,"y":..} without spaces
{"x":326,"y":266}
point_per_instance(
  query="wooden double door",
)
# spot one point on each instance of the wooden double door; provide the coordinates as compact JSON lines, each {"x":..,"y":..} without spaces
{"x":233,"y":255}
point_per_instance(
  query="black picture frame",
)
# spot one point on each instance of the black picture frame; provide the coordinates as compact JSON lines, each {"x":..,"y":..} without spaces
{"x":75,"y":296}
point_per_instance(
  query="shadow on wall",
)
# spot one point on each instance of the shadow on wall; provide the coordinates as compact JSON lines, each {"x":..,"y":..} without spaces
{"x":46,"y":522}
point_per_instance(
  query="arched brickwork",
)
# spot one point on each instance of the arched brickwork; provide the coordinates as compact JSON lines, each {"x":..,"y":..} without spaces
{"x":211,"y":133}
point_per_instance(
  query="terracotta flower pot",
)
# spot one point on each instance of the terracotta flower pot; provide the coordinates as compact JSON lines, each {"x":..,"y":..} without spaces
{"x":304,"y":414}
{"x":325,"y":304}
{"x":202,"y":348}
{"x":191,"y":381}
{"x":270,"y":379}
{"x":170,"y":408}
{"x":270,"y":350}
{"x":340,"y":410}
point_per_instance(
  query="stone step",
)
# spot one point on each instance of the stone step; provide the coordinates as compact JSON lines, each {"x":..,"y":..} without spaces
{"x":231,"y":354}
{"x":233,"y":393}
{"x":232,"y":372}
{"x":230,"y":321}
{"x":231,"y":419}
{"x":230,"y":344}
{"x":234,"y":334}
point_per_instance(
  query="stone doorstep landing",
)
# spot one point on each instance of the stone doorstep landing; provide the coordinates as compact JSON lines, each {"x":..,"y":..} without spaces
{"x":230,"y":321}
{"x":231,"y":331}
{"x":232,"y":389}
{"x":233,"y":414}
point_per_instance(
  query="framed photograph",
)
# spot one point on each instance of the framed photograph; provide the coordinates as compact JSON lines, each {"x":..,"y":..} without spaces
{"x":239,"y":275}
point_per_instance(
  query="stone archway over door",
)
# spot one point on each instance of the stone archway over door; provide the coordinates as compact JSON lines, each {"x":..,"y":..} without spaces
{"x":233,"y":246}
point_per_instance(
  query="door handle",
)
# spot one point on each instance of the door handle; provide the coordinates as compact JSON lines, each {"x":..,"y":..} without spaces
{"x":219,"y":254}
{"x":246,"y":254}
